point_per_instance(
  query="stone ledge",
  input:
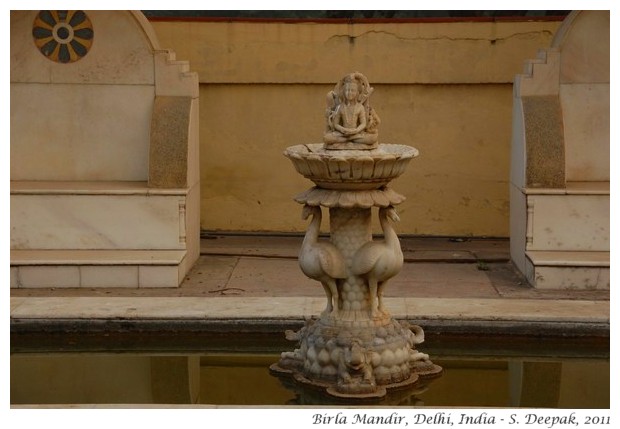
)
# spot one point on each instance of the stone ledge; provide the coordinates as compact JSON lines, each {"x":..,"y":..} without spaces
{"x":96,"y":257}
{"x":97,"y":268}
{"x":276,"y":326}
{"x":568,"y":258}
{"x":44,"y":187}
{"x":186,"y":308}
{"x":573,"y":188}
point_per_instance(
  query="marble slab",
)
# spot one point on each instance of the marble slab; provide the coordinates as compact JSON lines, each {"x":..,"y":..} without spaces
{"x":576,"y":278}
{"x":297,"y":307}
{"x":95,"y":222}
{"x":570,"y":222}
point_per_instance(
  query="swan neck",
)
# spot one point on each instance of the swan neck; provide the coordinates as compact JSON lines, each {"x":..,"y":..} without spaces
{"x":388,"y":232}
{"x":312,"y":233}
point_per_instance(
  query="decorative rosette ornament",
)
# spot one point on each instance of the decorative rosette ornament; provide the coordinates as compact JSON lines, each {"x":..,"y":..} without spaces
{"x":63,"y":36}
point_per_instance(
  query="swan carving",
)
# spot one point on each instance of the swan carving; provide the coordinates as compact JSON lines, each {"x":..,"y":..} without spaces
{"x":321,"y":260}
{"x":379,"y":261}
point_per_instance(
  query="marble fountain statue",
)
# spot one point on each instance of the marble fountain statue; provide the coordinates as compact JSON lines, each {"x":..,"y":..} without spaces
{"x":355,"y":349}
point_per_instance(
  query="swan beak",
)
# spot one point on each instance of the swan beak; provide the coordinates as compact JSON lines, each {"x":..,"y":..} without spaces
{"x":393,"y":215}
{"x":306,"y":211}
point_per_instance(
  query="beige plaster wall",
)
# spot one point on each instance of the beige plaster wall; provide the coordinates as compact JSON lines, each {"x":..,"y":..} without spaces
{"x":444,"y":88}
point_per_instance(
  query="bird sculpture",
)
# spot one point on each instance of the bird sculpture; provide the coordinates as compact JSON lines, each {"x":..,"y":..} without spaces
{"x":379,"y":261}
{"x":321,"y":260}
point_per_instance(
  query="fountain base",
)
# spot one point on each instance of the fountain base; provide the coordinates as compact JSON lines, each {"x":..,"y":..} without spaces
{"x":356,"y":358}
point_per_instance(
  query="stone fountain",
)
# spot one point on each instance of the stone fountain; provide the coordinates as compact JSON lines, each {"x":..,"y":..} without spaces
{"x":355,"y":349}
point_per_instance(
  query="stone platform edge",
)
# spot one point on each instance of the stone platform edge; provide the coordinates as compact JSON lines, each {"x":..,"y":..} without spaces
{"x":566,"y":318}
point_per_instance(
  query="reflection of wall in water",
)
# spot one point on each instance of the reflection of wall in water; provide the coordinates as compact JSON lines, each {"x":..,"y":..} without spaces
{"x":568,"y":384}
{"x":104,"y":379}
{"x":245,"y":380}
{"x":469,"y":383}
{"x":240,"y":380}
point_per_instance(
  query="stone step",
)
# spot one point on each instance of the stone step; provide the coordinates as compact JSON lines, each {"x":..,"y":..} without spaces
{"x":97,"y":268}
{"x":569,"y":259}
{"x":568,"y":270}
{"x":571,"y":219}
{"x":48,"y":216}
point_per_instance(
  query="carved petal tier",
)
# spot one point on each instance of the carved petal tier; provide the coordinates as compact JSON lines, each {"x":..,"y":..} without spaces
{"x":350,"y":169}
{"x":383,"y":197}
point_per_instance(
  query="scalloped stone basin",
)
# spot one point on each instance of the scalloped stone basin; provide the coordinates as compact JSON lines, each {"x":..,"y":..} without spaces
{"x":350,"y":169}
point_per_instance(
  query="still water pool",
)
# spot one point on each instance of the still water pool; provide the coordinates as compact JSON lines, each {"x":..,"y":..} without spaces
{"x":491,"y":372}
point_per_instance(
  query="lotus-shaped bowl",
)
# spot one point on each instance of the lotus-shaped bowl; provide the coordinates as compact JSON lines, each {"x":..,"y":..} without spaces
{"x":350,"y":169}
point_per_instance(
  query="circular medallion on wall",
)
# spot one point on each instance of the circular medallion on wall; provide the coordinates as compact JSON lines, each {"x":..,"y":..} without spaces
{"x":63,"y":36}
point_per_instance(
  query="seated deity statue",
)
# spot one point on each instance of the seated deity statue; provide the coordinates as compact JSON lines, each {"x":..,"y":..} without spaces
{"x":351,"y":122}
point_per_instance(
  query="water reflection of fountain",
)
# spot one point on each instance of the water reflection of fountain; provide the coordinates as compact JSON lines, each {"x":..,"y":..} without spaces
{"x":354,"y":350}
{"x":311,"y":395}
